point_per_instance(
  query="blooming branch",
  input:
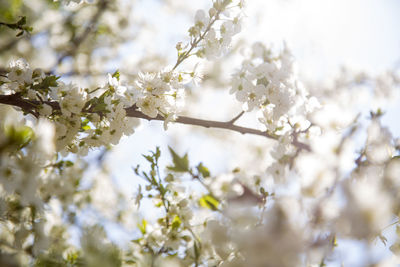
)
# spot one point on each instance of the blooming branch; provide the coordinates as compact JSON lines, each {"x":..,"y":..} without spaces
{"x":30,"y":106}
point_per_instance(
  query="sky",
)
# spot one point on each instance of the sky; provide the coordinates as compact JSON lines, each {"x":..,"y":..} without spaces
{"x":326,"y":33}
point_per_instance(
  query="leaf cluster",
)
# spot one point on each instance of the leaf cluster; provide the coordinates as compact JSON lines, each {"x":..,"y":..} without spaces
{"x":19,"y":25}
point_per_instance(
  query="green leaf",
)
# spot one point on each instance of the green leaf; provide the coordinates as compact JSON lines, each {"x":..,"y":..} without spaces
{"x":203,"y":170}
{"x":209,"y":202}
{"x":101,"y":107}
{"x":136,"y":169}
{"x":72,"y":257}
{"x":148,"y":158}
{"x":28,"y":29}
{"x":130,"y":262}
{"x":196,"y":251}
{"x":116,"y":74}
{"x":334,"y":241}
{"x":158,"y":153}
{"x":48,"y":81}
{"x":176,"y":222}
{"x":86,"y":127}
{"x":181,"y":164}
{"x":84,"y":124}
{"x":263,"y":192}
{"x":22,"y":21}
{"x":142,"y":227}
{"x":137,"y":240}
{"x":19,"y":136}
{"x":69,"y":163}
{"x":236,"y":170}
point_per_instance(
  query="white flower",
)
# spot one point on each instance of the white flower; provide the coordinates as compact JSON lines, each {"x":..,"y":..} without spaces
{"x":46,"y":110}
{"x":112,"y":81}
{"x":73,"y":99}
{"x":20,"y":71}
{"x":212,"y":46}
{"x":149,"y":106}
{"x":255,"y":97}
{"x":197,"y":74}
{"x":169,"y":118}
{"x":379,"y":143}
{"x":200,"y":19}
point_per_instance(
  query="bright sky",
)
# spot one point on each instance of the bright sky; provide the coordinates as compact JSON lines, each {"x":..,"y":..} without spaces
{"x":325,"y":33}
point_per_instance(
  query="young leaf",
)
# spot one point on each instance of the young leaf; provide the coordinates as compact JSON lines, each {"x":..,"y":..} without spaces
{"x":142,"y":227}
{"x":158,"y":152}
{"x":176,"y":222}
{"x":19,"y":136}
{"x":22,"y":21}
{"x":181,"y":164}
{"x":209,"y":202}
{"x":148,"y":158}
{"x":116,"y":74}
{"x":203,"y":170}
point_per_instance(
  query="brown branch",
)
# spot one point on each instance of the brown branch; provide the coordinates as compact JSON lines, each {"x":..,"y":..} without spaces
{"x":236,"y":117}
{"x":228,"y":125}
{"x":133,"y":112}
{"x":194,"y":43}
{"x":32,"y":105}
{"x":26,"y":104}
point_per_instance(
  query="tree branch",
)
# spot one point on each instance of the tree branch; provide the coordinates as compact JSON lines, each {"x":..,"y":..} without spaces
{"x":31,"y":105}
{"x":228,"y":125}
{"x":78,"y":40}
{"x":195,"y":42}
{"x":236,"y":117}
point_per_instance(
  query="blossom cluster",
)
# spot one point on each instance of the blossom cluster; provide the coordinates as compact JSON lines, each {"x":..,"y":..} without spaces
{"x":267,"y":82}
{"x":85,"y":119}
{"x":31,"y":177}
{"x":213,"y":30}
{"x":67,"y":2}
{"x":160,"y":93}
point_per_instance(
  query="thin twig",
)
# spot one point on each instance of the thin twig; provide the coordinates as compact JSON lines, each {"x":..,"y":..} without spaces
{"x":78,"y":40}
{"x":195,"y":42}
{"x":232,"y":121}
